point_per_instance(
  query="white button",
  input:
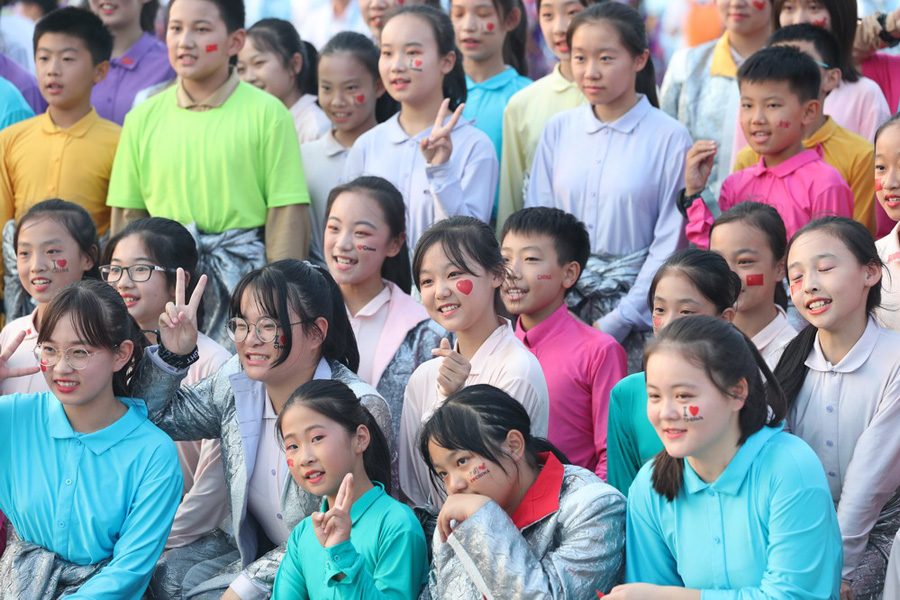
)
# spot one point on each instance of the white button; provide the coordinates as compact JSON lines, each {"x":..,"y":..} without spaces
{"x":68,"y":482}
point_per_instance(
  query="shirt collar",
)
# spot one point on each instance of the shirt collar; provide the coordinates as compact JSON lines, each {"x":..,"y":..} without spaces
{"x":823,"y":134}
{"x":482,"y":355}
{"x":215,"y":100}
{"x":99,"y":441}
{"x":722,"y":63}
{"x":498,"y":81}
{"x":790,"y":165}
{"x":332,"y":146}
{"x":854,"y":359}
{"x":770,"y":331}
{"x":560,"y":83}
{"x":323,"y":370}
{"x":544,"y":330}
{"x":78,"y":130}
{"x":133,"y":56}
{"x":542,"y":498}
{"x":363,"y":504}
{"x":375,"y":304}
{"x":732,"y":478}
{"x":624,"y":124}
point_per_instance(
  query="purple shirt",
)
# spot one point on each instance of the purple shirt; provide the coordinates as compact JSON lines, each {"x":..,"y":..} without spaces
{"x":581,"y":365}
{"x":24,"y":81}
{"x":144,"y":65}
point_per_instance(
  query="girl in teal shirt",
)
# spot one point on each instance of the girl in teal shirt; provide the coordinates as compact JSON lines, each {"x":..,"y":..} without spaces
{"x":363,"y":544}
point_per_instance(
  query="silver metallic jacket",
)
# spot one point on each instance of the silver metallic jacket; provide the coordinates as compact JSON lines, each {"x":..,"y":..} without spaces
{"x":229,"y":405}
{"x":570,"y":554}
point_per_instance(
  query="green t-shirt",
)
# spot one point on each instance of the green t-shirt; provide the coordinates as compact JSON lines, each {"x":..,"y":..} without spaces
{"x":631,"y":439}
{"x":222,"y":168}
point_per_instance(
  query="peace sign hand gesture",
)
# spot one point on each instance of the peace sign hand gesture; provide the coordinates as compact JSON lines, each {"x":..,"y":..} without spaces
{"x":178,"y":324}
{"x":6,"y":371}
{"x":438,"y":147}
{"x":333,"y":527}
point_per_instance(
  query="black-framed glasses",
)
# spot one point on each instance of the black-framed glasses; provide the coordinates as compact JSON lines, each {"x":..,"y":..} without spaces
{"x":266,"y":329}
{"x":137,"y":273}
{"x":77,"y":358}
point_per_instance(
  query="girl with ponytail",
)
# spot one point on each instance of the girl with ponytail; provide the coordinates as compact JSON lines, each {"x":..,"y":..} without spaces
{"x":633,"y":219}
{"x":841,"y":376}
{"x":518,"y":521}
{"x":733,"y":506}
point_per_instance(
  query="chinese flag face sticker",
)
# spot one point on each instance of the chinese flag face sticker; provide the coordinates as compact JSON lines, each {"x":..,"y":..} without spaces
{"x":755,"y":279}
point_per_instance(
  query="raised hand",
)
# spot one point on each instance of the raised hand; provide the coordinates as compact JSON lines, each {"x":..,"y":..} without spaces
{"x":333,"y":527}
{"x":454,"y":368}
{"x":178,"y":324}
{"x":438,"y":147}
{"x":6,"y":371}
{"x":698,"y":166}
{"x":458,"y":508}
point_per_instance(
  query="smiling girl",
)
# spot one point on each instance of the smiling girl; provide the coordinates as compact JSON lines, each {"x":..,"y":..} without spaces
{"x":887,"y":191}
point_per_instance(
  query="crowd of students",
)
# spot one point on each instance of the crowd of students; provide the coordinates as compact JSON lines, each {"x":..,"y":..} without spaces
{"x":378,"y":317}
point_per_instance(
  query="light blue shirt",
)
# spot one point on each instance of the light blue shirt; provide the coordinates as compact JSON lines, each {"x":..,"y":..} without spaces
{"x":13,"y":107}
{"x":485,"y":102}
{"x":766,"y":528}
{"x":622,"y":180}
{"x":87,"y":497}
{"x":385,"y":556}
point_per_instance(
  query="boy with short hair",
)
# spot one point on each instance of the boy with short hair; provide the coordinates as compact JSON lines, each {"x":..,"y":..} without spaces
{"x":214,"y":151}
{"x":852,"y":155}
{"x":779,"y":99}
{"x":545,"y":250}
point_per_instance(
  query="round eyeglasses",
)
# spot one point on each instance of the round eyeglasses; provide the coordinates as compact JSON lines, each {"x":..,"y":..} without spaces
{"x":77,"y":358}
{"x":137,"y":273}
{"x":266,"y":329}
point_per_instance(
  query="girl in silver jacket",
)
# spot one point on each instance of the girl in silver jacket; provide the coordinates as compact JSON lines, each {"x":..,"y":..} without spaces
{"x":518,"y":522}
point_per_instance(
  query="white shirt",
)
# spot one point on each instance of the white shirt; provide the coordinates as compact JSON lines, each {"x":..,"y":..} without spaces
{"x":502,"y":361}
{"x":22,"y":357}
{"x":772,"y":338}
{"x":849,"y":414}
{"x":367,"y":325}
{"x":464,"y":185}
{"x":323,"y":163}
{"x":622,"y":179}
{"x":320,"y":24}
{"x":888,"y":314}
{"x":16,"y":35}
{"x":309,"y":119}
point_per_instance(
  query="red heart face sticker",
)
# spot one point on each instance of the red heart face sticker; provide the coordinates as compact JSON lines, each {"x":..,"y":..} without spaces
{"x":483,"y":466}
{"x":417,"y":63}
{"x":283,"y":340}
{"x":759,"y":4}
{"x":755,"y":279}
{"x":821,"y":23}
{"x":465,"y":286}
{"x":490,"y":26}
{"x":61,"y":263}
{"x":44,"y":368}
{"x":360,"y":98}
{"x":694,"y":410}
{"x":291,"y":463}
{"x":657,"y":321}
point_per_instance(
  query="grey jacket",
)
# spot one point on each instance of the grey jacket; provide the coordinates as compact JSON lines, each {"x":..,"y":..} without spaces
{"x":570,"y":553}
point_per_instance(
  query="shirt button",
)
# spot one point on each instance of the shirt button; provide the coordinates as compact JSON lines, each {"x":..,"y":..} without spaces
{"x":711,"y":493}
{"x":61,"y":524}
{"x":68,"y":482}
{"x":273,"y":471}
{"x":832,"y":474}
{"x":327,"y":564}
{"x":77,"y":442}
{"x":829,"y":408}
{"x":833,"y":373}
{"x":279,"y":516}
{"x":338,"y":557}
{"x":716,"y":539}
{"x":829,"y":443}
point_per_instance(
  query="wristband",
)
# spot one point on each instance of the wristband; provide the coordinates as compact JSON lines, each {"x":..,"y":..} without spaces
{"x":684,"y":202}
{"x":177,"y":361}
{"x":884,"y":34}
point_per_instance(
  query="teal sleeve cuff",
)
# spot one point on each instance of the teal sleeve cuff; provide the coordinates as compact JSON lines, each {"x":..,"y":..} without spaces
{"x":342,"y":559}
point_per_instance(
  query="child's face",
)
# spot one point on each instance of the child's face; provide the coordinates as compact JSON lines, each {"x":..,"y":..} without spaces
{"x":828,"y":284}
{"x":411,"y":66}
{"x":198,"y":41}
{"x":676,"y":296}
{"x":690,"y":414}
{"x":357,"y":240}
{"x":146,"y":300}
{"x":457,"y":300}
{"x":117,"y":14}
{"x":65,"y":70}
{"x":747,"y":251}
{"x":347,"y":92}
{"x":373,"y":12}
{"x":319,"y":451}
{"x":465,"y":472}
{"x":794,"y":12}
{"x":773,"y":117}
{"x":602,"y":67}
{"x":887,"y":171}
{"x":266,"y":70}
{"x":745,"y":17}
{"x":48,"y":258}
{"x":537,"y":283}
{"x":480,"y":30}
{"x":554,"y":17}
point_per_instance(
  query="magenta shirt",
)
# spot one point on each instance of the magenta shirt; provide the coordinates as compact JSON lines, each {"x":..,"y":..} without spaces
{"x":884,"y":69}
{"x":24,"y":81}
{"x":581,"y":365}
{"x":144,"y":65}
{"x":801,"y":189}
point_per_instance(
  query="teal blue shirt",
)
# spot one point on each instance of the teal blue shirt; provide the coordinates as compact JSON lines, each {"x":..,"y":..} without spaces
{"x":87,"y":497}
{"x":13,"y":107}
{"x":385,"y":556}
{"x":766,"y":528}
{"x":630,"y":438}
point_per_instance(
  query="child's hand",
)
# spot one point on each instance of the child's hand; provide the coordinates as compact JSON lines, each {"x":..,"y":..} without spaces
{"x":5,"y":370}
{"x":178,"y":324}
{"x":333,"y":527}
{"x":638,"y":591}
{"x":698,"y":166}
{"x":454,"y":368}
{"x":438,"y":147}
{"x":458,"y":507}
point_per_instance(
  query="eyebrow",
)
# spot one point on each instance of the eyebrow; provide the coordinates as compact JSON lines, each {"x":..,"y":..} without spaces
{"x":679,"y":301}
{"x":50,"y":242}
{"x":50,"y":340}
{"x":314,"y":426}
{"x":118,"y":260}
{"x":406,"y":45}
{"x":816,"y":257}
{"x":359,"y":222}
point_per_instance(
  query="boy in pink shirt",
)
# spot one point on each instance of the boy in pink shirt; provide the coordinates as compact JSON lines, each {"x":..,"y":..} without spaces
{"x":779,"y":98}
{"x":545,"y":250}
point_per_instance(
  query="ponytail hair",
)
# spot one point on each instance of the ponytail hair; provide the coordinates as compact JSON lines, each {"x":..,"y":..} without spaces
{"x":362,"y":49}
{"x":281,"y":38}
{"x":477,"y":419}
{"x":632,"y":33}
{"x":791,"y":369}
{"x":390,"y":201}
{"x":727,"y":356}
{"x":311,"y":293}
{"x":707,"y":271}
{"x":334,"y":400}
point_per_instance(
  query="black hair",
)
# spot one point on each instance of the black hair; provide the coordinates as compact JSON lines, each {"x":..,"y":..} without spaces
{"x":309,"y":291}
{"x":364,"y":50}
{"x":393,"y":209}
{"x":514,"y":46}
{"x":46,"y":6}
{"x":76,"y":220}
{"x":454,"y":86}
{"x":232,"y":13}
{"x":334,"y":400}
{"x":570,"y":237}
{"x":148,"y":16}
{"x":629,"y":24}
{"x":844,"y":17}
{"x":784,"y":64}
{"x":101,"y":319}
{"x":708,"y":272}
{"x":584,"y":3}
{"x":80,"y":23}
{"x":895,"y":120}
{"x":791,"y":369}
{"x":281,"y":38}
{"x":823,"y":41}
{"x":727,"y":356}
{"x":477,"y":419}
{"x":767,"y":220}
